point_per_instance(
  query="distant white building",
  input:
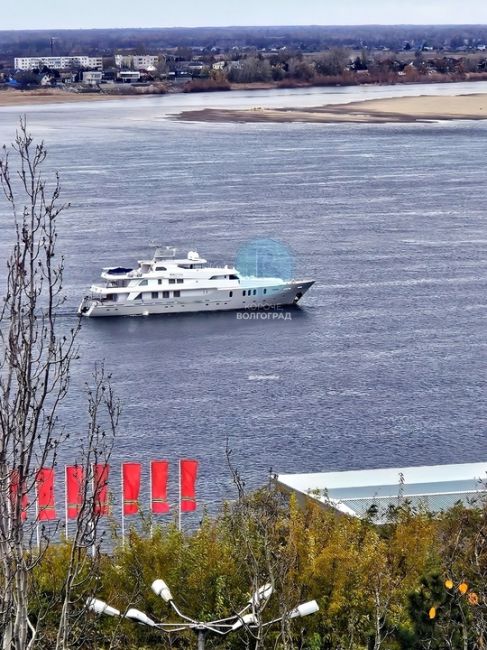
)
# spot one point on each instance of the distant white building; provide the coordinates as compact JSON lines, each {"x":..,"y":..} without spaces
{"x":135,"y":61}
{"x":58,"y":62}
{"x":92,"y":77}
{"x":129,"y":75}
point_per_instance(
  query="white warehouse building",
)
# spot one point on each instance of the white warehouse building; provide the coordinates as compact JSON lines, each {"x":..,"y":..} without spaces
{"x":58,"y":62}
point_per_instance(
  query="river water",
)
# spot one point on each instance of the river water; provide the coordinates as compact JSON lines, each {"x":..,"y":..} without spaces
{"x":384,"y":365}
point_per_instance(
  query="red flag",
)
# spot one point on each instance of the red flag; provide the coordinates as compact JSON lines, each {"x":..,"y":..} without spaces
{"x":159,"y":471}
{"x":45,"y":494}
{"x":100,"y":489}
{"x":75,"y":478}
{"x":188,"y":471}
{"x":131,"y":487}
{"x":14,"y":489}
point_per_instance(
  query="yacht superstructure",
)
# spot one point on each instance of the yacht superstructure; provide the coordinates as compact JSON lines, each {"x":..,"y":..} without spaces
{"x":167,"y":284}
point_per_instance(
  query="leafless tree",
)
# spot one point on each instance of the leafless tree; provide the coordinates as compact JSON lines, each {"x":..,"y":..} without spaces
{"x":36,"y":353}
{"x":266,"y":555}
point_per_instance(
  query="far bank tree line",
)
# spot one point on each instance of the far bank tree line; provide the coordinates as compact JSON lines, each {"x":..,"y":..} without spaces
{"x":288,"y":68}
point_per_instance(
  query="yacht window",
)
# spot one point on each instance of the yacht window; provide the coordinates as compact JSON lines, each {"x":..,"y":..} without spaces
{"x":165,"y":294}
{"x":155,"y":295}
{"x":243,"y":293}
{"x":161,"y":268}
{"x":172,"y":281}
{"x":138,"y":296}
{"x":233,"y":277}
{"x":143,"y":283}
{"x":265,"y":290}
{"x":159,"y":281}
{"x":177,"y":294}
{"x":255,"y":292}
{"x":180,"y":281}
{"x":230,"y":294}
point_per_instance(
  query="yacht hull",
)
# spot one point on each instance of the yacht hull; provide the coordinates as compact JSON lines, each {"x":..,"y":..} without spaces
{"x":287,"y":294}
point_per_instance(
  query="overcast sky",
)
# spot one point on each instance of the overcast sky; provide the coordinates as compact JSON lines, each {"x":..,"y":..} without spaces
{"x":58,"y":14}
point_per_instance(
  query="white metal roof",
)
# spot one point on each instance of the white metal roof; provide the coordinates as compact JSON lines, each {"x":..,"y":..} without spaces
{"x":388,"y":476}
{"x":436,"y":487}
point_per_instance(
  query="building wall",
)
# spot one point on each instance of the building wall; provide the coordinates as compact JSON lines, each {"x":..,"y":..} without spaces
{"x":58,"y":62}
{"x":138,"y":62}
{"x":92,"y":78}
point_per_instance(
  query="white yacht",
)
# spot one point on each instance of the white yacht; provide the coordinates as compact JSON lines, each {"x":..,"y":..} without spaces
{"x":168,"y":284}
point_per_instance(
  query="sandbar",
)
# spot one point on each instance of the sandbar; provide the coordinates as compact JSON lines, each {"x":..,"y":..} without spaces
{"x":398,"y":109}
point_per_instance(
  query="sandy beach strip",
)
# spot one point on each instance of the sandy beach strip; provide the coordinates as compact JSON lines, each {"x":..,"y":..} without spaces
{"x":397,"y":109}
{"x":39,"y":97}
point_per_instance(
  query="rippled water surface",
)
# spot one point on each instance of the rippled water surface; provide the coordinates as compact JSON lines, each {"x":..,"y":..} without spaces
{"x":384,"y":365}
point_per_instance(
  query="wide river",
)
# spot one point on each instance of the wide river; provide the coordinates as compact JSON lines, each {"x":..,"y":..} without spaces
{"x":384,"y":365}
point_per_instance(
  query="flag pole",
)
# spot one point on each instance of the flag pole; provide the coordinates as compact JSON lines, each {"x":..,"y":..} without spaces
{"x":38,"y":531}
{"x":66,"y":499}
{"x":180,"y":500}
{"x":150,"y":501}
{"x":123,"y":506}
{"x":92,"y":514}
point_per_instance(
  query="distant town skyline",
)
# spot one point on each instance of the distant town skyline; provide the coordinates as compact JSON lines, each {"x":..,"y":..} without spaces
{"x":31,"y":14}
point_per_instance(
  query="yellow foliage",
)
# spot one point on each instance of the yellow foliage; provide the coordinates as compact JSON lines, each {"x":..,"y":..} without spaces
{"x":473,"y":599}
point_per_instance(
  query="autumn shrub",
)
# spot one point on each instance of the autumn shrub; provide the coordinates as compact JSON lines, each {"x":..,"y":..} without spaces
{"x":416,"y":581}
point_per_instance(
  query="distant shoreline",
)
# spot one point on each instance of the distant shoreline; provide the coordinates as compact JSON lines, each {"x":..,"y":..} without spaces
{"x":379,"y":111}
{"x":40,"y":96}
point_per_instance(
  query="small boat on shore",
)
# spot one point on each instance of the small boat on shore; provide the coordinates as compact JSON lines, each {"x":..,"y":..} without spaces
{"x":168,"y":284}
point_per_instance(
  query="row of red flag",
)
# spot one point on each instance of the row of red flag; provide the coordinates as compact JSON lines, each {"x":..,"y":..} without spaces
{"x":76,"y":490}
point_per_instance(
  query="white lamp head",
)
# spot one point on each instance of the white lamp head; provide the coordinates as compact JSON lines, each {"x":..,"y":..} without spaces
{"x":262,"y":593}
{"x":139,"y":617}
{"x":101,"y":607}
{"x":160,"y":588}
{"x":248,"y":619}
{"x":304,"y":610}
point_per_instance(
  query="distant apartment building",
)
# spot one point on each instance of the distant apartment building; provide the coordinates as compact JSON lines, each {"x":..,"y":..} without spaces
{"x":58,"y":62}
{"x":142,"y":62}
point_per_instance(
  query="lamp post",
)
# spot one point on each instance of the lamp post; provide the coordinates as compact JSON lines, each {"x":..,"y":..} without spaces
{"x":249,"y":616}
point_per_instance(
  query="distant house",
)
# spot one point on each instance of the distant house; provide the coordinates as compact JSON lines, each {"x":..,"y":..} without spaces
{"x":129,"y":76}
{"x":46,"y":80}
{"x":92,"y":77}
{"x":182,"y":77}
{"x":67,"y":77}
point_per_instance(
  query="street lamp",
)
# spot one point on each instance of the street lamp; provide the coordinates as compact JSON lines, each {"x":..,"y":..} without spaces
{"x":220,"y":626}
